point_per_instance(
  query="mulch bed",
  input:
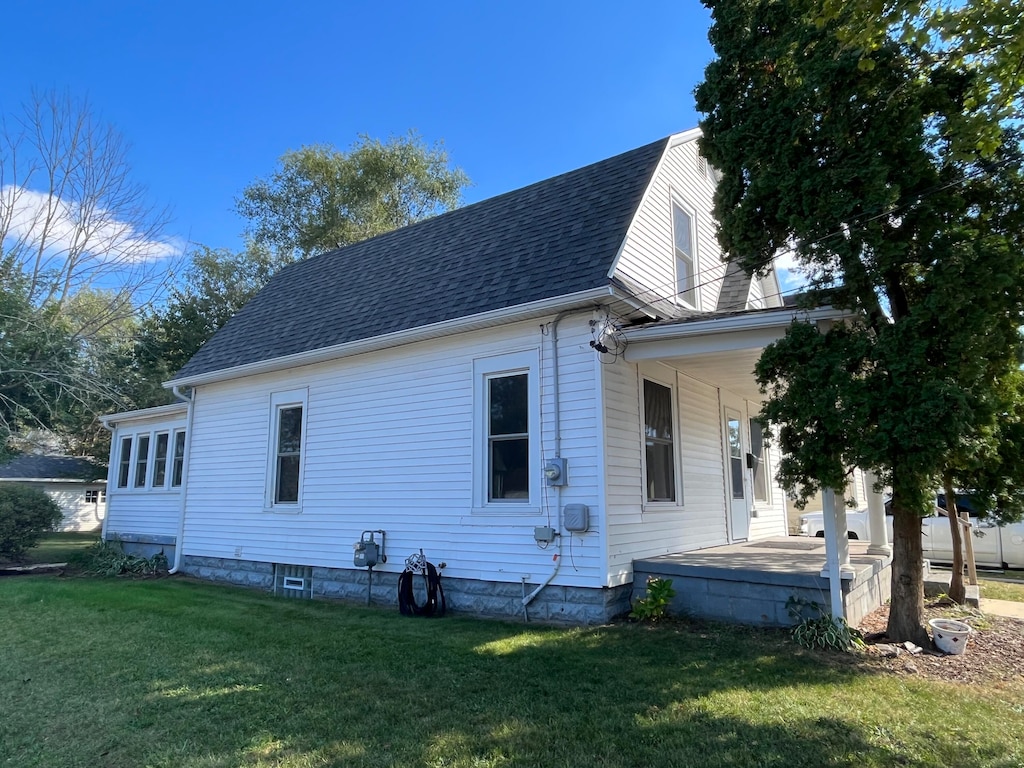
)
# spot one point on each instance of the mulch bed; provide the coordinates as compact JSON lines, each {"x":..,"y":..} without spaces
{"x":995,"y":650}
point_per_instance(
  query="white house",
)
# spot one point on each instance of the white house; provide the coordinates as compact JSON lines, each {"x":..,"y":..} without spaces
{"x":536,"y":390}
{"x":76,"y":484}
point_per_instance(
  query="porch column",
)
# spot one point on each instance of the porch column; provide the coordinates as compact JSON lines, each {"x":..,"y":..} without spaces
{"x":876,"y":518}
{"x":837,"y":549}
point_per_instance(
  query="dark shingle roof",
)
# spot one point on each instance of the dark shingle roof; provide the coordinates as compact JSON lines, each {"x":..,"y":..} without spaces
{"x":33,"y":467}
{"x":552,"y":238}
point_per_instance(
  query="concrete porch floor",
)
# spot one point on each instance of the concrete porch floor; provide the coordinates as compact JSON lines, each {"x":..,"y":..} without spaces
{"x":750,"y":582}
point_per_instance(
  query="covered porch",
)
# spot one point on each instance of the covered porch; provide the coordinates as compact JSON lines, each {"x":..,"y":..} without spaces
{"x":750,"y":578}
{"x":751,"y":582}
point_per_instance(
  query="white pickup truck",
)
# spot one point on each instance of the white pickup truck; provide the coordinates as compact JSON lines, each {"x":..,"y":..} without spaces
{"x":994,"y":546}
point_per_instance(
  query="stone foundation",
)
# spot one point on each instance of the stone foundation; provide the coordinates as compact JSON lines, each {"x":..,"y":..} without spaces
{"x":145,"y":545}
{"x":494,"y":599}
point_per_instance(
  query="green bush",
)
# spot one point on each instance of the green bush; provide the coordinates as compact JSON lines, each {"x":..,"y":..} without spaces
{"x":107,"y":558}
{"x":26,"y":515}
{"x":654,"y":606}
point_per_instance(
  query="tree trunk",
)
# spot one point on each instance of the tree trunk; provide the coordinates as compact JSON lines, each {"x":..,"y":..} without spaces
{"x":906,"y":610}
{"x":957,"y":593}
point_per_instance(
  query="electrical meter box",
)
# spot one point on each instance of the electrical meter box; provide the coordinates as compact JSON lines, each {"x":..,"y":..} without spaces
{"x":576,"y":518}
{"x":366,"y":553}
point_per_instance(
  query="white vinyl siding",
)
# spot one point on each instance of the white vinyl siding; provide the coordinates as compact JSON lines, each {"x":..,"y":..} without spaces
{"x":637,"y":529}
{"x":391,"y":442}
{"x":152,"y":509}
{"x":647,"y":257}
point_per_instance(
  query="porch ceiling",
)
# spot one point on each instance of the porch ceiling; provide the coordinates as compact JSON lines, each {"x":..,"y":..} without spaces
{"x":733,"y":371}
{"x":721,"y":350}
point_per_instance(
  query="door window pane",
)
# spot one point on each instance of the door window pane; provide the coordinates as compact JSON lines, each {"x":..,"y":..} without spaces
{"x":735,"y":456}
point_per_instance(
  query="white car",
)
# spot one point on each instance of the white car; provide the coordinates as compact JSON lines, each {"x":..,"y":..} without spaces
{"x":994,"y":546}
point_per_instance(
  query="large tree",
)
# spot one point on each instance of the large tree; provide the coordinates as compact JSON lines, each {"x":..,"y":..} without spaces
{"x":854,"y":167}
{"x":320,"y":198}
{"x":216,"y":285}
{"x":81,"y":250}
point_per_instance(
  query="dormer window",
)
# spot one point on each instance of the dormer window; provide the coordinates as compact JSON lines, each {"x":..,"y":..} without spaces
{"x":685,"y":258}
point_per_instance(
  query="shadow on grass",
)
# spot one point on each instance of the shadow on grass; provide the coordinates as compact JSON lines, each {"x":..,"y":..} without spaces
{"x":174,"y":673}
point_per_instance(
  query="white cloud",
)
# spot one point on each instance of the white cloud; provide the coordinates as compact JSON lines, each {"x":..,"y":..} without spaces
{"x":26,"y":216}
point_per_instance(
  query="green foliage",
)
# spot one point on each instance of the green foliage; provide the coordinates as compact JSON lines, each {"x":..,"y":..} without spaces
{"x":816,"y":627}
{"x":217,"y":284}
{"x":26,"y":515}
{"x":108,"y":558}
{"x":320,"y":198}
{"x":654,"y":606}
{"x":984,"y":37}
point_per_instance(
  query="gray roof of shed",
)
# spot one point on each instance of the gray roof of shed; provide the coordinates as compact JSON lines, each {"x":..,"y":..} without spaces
{"x":552,"y":238}
{"x":34,"y":467}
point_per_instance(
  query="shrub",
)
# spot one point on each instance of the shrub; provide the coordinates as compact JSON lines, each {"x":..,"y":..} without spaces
{"x":655,"y":605}
{"x":26,"y":515}
{"x":821,"y":629}
{"x":107,"y":558}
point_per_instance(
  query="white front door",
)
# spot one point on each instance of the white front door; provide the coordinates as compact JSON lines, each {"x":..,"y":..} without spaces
{"x":737,"y":493}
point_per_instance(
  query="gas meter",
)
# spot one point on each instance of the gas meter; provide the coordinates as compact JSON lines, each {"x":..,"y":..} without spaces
{"x":367,"y":551}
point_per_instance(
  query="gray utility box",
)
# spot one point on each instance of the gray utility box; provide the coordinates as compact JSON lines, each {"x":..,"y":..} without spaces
{"x":576,"y":518}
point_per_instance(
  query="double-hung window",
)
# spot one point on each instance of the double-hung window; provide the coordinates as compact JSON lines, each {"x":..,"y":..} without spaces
{"x":659,"y":442}
{"x":178,"y":458}
{"x":508,"y":419}
{"x":685,"y":255}
{"x":124,"y":462}
{"x":160,"y":460}
{"x":287,"y":436}
{"x":142,"y":462}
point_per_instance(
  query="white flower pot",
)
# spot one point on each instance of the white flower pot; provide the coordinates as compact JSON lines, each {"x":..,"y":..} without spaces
{"x":950,"y":636}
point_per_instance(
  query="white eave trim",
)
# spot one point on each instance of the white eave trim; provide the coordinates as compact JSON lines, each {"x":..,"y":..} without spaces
{"x":174,"y":409}
{"x":720,"y":334}
{"x":408,"y":336}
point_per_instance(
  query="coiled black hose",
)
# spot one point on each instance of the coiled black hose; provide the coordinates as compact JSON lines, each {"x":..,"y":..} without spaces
{"x":433,"y":606}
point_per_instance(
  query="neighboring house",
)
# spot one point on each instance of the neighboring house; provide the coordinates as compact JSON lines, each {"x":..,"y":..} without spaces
{"x":76,"y":484}
{"x":537,"y":390}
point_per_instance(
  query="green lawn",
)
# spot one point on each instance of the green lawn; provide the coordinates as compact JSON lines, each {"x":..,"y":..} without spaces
{"x":173,"y":673}
{"x":1002,"y":590}
{"x":57,"y":548}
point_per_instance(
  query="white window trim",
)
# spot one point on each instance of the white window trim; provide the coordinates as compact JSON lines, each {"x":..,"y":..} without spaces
{"x":148,"y":479}
{"x":171,"y":456}
{"x":671,"y":383}
{"x":278,"y":402}
{"x":167,"y":456}
{"x":135,"y":435}
{"x":485,"y":368}
{"x":755,"y":503}
{"x":675,"y":199}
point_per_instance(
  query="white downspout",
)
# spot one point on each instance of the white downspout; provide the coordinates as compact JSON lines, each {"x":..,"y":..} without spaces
{"x":179,"y":540}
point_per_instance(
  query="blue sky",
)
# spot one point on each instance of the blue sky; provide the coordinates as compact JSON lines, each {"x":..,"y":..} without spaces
{"x":210,"y":94}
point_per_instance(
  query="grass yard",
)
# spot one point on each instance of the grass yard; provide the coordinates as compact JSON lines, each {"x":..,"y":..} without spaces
{"x":57,"y":548}
{"x":1002,"y":590}
{"x":173,"y":673}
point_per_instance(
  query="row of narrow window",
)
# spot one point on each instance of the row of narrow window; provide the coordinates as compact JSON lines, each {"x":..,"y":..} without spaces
{"x":148,"y":460}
